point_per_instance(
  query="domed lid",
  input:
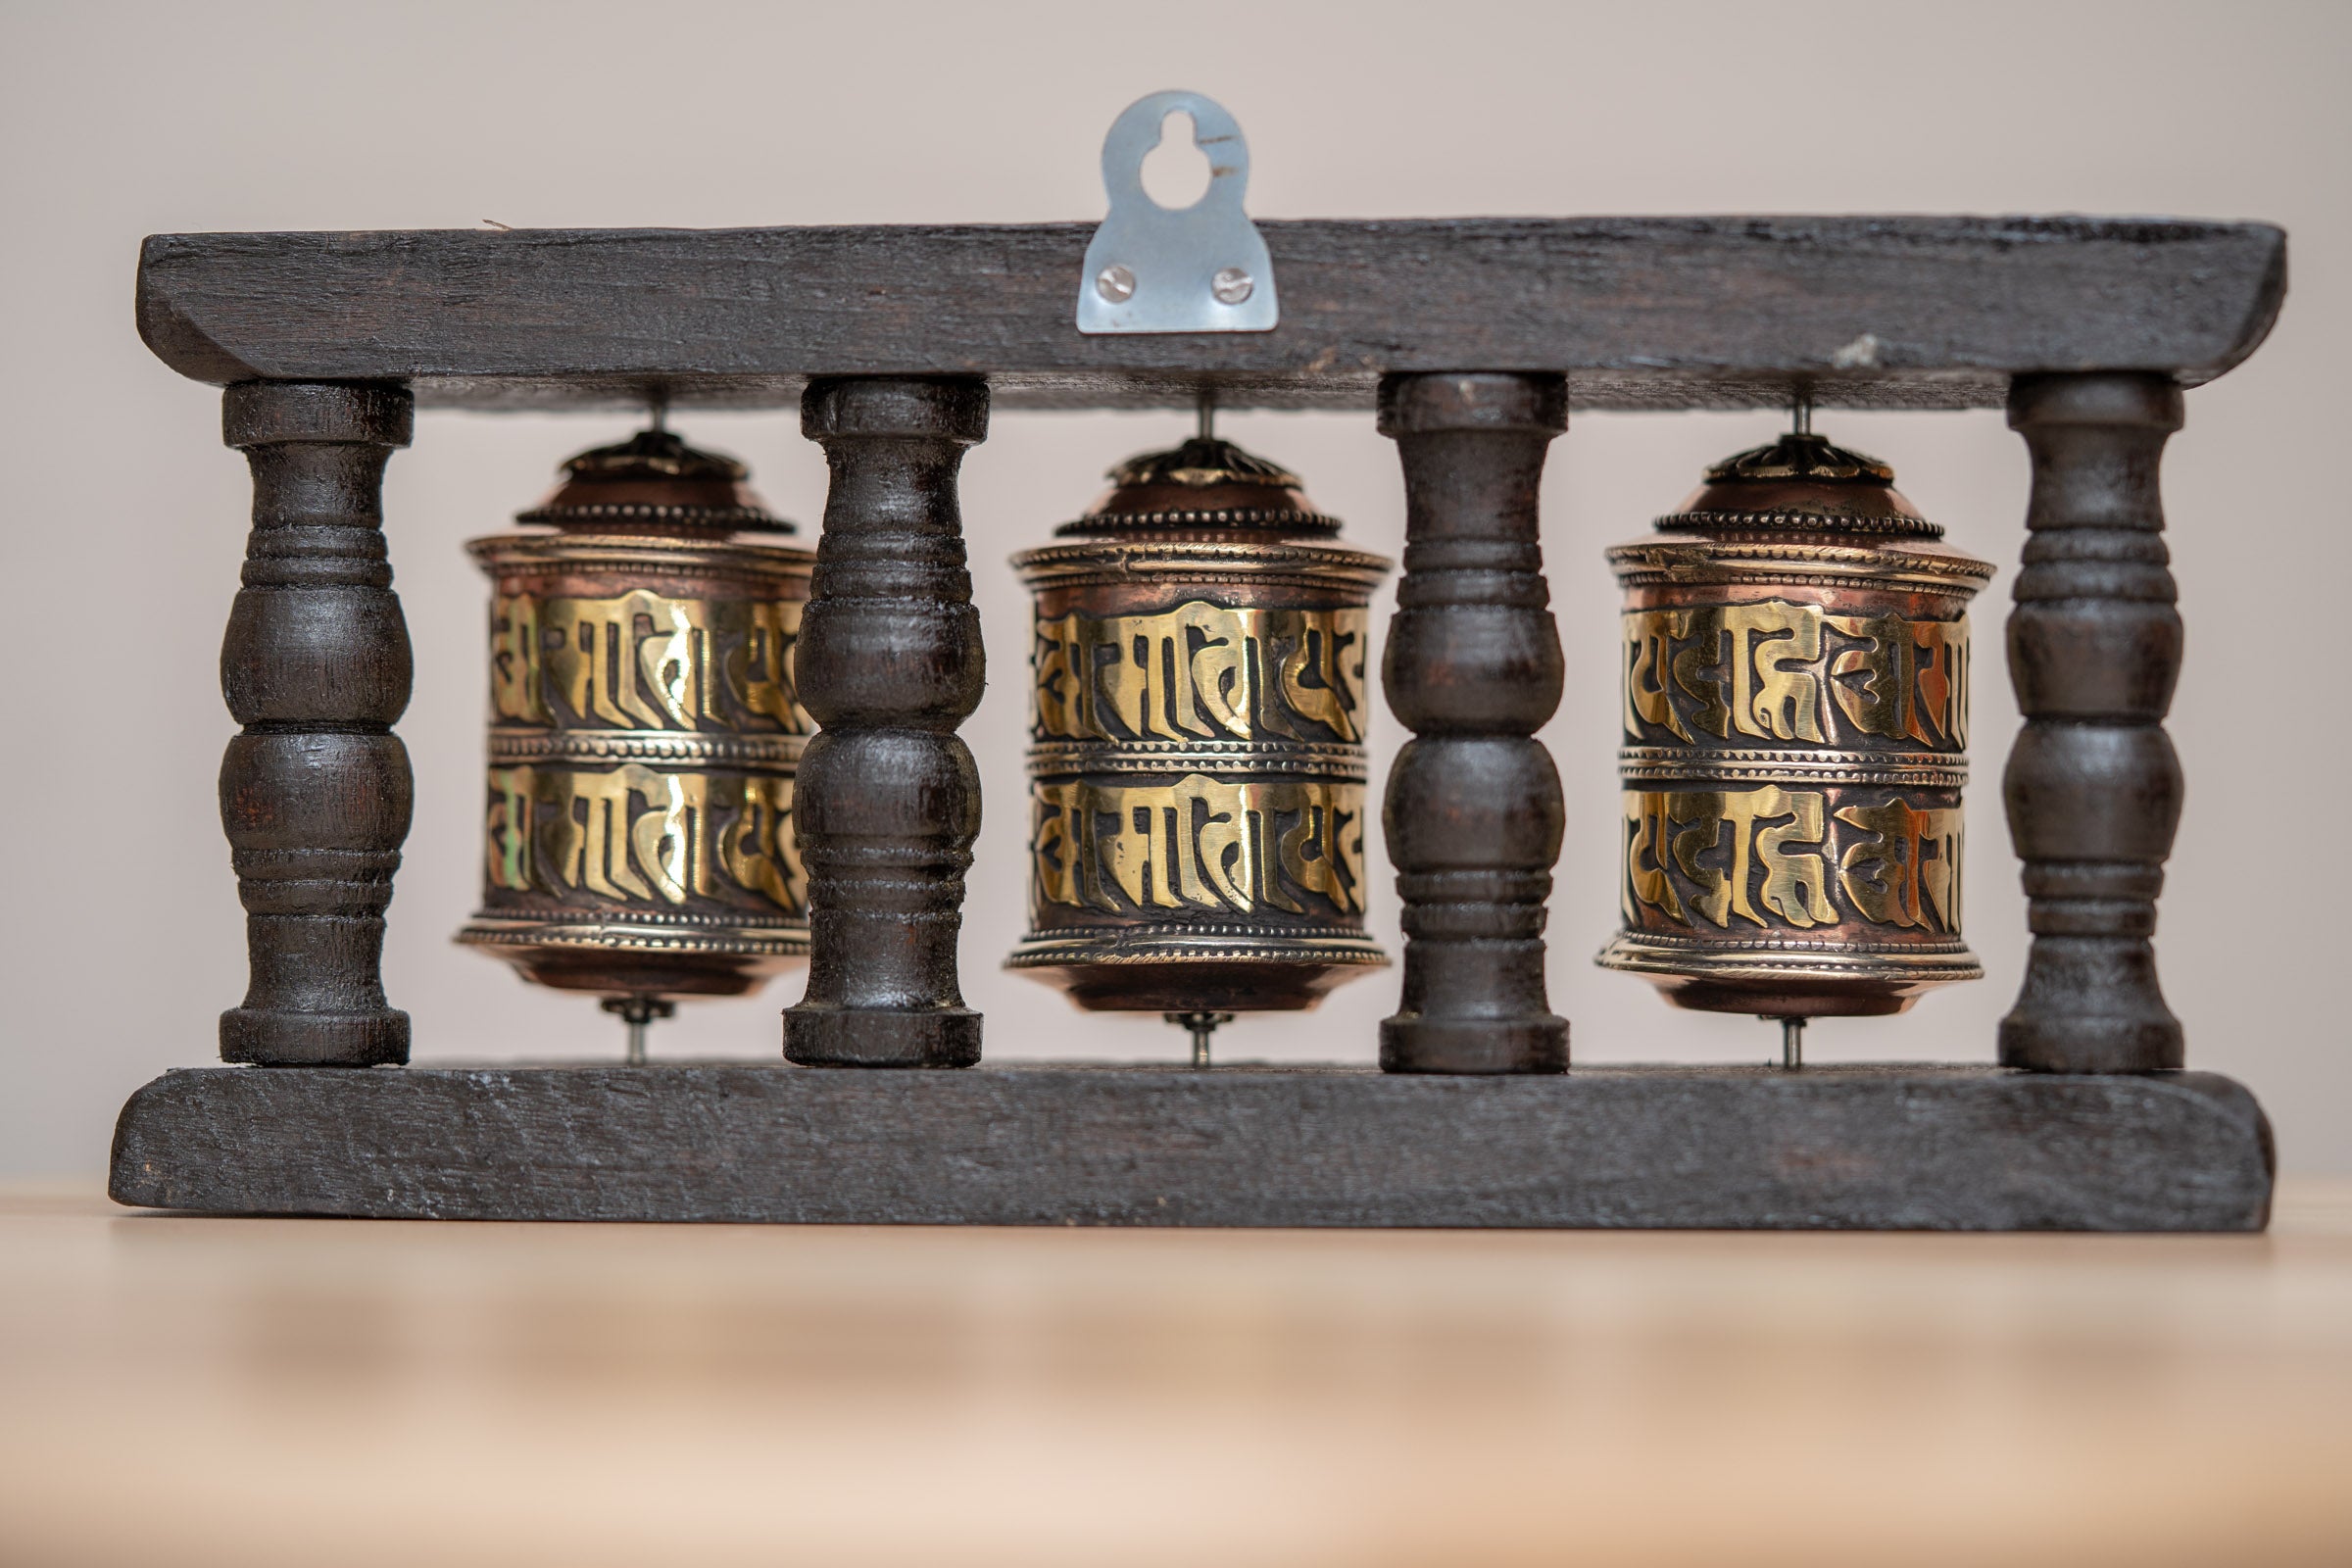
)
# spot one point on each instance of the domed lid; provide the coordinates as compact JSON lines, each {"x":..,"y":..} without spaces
{"x":1801,"y":482}
{"x":1205,"y":485}
{"x":655,"y":479}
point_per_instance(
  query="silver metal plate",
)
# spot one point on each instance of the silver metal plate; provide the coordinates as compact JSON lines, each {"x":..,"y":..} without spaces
{"x":1198,"y":269}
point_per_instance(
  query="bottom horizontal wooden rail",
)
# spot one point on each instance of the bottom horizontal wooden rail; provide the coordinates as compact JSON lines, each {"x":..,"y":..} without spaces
{"x":1876,"y":1148}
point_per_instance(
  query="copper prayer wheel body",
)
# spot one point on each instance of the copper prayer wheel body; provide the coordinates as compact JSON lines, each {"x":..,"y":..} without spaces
{"x":644,"y":731}
{"x":1795,"y":664}
{"x":1197,"y":771}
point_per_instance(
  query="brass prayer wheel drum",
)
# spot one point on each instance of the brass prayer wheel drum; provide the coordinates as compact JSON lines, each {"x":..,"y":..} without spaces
{"x":1795,"y":727}
{"x":644,"y":731}
{"x":1198,"y":766}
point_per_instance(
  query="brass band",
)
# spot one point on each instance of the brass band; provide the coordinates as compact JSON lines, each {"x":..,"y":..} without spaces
{"x":1292,"y":844}
{"x":657,"y":747}
{"x":1773,"y":671}
{"x":1675,"y":765}
{"x":644,"y":836}
{"x":1201,"y":672}
{"x":1720,"y":562}
{"x":1773,"y":856}
{"x":645,"y":661}
{"x":1253,"y":759}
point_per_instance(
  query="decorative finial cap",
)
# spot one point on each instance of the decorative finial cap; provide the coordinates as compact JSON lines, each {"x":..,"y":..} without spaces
{"x":655,"y":479}
{"x":1801,"y":481}
{"x":1206,"y":483}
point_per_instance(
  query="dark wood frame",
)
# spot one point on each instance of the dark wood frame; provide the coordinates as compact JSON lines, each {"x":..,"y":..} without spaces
{"x":1473,"y":337}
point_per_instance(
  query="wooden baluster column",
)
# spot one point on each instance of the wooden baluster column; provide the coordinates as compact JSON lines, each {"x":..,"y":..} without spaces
{"x":1473,"y":669}
{"x":315,"y":793}
{"x":888,"y":663}
{"x":2093,"y":787}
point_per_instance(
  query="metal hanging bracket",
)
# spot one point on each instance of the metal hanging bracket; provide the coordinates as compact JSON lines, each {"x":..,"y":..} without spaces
{"x":1198,"y":269}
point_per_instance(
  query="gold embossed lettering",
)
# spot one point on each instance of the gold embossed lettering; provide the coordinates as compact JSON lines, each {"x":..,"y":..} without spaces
{"x":1649,"y":638}
{"x":1904,"y":865}
{"x":1197,"y":845}
{"x":1776,"y":690}
{"x":641,"y":835}
{"x":1773,"y":831}
{"x":760,"y":849}
{"x":515,"y":692}
{"x":1200,"y":671}
{"x":641,"y":660}
{"x":508,"y":840}
{"x":1787,"y":672}
{"x":1646,"y":879}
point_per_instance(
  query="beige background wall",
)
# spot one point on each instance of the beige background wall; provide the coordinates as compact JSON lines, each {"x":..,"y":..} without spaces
{"x":125,"y":516}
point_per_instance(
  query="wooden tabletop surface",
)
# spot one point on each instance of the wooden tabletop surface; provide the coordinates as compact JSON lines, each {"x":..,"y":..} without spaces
{"x":352,"y":1393}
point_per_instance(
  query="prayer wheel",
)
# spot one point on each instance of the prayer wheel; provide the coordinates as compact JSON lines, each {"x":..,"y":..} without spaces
{"x":1796,"y":732}
{"x":1197,"y":799}
{"x":644,"y":733}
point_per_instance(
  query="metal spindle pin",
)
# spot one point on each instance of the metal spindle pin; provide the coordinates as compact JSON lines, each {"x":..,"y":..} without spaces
{"x":1201,"y":1025}
{"x":637,"y":1012}
{"x":1792,"y":1044}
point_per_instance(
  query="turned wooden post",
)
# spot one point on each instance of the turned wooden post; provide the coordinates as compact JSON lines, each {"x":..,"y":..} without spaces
{"x":315,"y":793}
{"x":2093,"y":787}
{"x":888,"y":663}
{"x":1473,"y":669}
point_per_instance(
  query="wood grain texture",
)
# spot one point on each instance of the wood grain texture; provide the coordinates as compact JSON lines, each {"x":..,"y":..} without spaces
{"x":2092,"y":785}
{"x":1641,"y":313}
{"x":888,"y":663}
{"x":1473,"y":814}
{"x":1834,"y":1147}
{"x":316,"y":790}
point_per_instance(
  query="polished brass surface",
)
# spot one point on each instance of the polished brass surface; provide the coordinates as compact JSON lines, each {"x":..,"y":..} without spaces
{"x":645,"y":732}
{"x":1199,"y":706}
{"x":1794,"y":679}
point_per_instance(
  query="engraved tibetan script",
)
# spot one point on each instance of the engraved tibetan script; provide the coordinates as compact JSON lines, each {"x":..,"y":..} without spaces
{"x":1778,"y":673}
{"x":637,"y":835}
{"x":1198,"y":844}
{"x":1777,"y":856}
{"x":641,"y":660}
{"x":1203,"y":672}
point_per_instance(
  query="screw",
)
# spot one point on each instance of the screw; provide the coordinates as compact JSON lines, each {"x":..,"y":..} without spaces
{"x":1231,"y":285}
{"x":1115,"y":284}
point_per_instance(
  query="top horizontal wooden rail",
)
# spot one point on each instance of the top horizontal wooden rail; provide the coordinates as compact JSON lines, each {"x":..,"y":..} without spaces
{"x":1641,"y":313}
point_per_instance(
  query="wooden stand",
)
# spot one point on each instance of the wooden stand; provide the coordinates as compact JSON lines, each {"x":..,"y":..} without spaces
{"x":1474,"y":337}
